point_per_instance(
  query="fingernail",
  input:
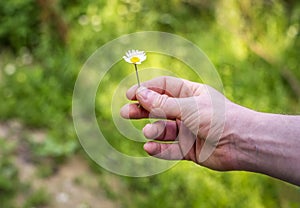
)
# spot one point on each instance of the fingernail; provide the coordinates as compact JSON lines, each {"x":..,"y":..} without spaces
{"x":146,"y":128}
{"x":150,"y":148}
{"x":150,"y":132}
{"x":142,"y":92}
{"x":124,"y":112}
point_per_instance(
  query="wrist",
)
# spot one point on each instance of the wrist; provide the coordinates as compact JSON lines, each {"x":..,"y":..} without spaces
{"x":243,"y":123}
{"x":267,"y":143}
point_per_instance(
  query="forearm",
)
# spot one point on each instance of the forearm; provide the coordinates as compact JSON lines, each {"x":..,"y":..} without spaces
{"x":269,"y":144}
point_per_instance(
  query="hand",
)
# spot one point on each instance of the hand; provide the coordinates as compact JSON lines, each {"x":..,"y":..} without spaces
{"x":193,"y":119}
{"x":205,"y":127}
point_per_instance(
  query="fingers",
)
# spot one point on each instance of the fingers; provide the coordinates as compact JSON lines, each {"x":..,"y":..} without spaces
{"x":133,"y":111}
{"x":171,"y":86}
{"x":170,"y":151}
{"x":161,"y":130}
{"x":136,"y":111}
{"x":155,"y":105}
{"x":159,"y":99}
{"x":164,"y":151}
{"x":159,"y":106}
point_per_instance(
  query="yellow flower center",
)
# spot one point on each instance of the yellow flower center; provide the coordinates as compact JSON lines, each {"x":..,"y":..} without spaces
{"x":135,"y":59}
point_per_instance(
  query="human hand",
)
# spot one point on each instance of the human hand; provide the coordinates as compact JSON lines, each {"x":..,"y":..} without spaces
{"x":205,"y":127}
{"x":193,"y":120}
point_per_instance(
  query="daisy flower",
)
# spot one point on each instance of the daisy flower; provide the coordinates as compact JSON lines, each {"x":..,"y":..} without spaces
{"x":135,"y":57}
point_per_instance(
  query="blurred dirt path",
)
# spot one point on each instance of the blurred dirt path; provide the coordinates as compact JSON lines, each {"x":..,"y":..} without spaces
{"x":73,"y":185}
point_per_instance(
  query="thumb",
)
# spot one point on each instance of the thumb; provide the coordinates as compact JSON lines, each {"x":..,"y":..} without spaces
{"x":159,"y":106}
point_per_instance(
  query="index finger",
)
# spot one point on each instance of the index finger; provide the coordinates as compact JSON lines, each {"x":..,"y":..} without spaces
{"x":171,"y":86}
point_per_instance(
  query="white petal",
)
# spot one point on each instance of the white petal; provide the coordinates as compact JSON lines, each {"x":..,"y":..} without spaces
{"x":135,"y":53}
{"x":127,"y":60}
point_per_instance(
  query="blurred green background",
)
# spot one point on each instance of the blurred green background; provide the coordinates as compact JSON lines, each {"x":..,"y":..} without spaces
{"x":254,"y":45}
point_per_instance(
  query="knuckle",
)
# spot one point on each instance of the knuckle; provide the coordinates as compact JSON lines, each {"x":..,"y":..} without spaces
{"x":160,"y":101}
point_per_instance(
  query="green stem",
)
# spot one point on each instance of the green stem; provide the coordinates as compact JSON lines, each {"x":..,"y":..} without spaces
{"x":137,"y":75}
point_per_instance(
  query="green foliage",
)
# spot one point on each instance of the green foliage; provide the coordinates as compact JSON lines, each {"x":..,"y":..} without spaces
{"x":19,"y":23}
{"x":56,"y":149}
{"x":212,"y":189}
{"x":39,"y":198}
{"x":26,"y":82}
{"x":9,"y":181}
{"x":45,"y":43}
